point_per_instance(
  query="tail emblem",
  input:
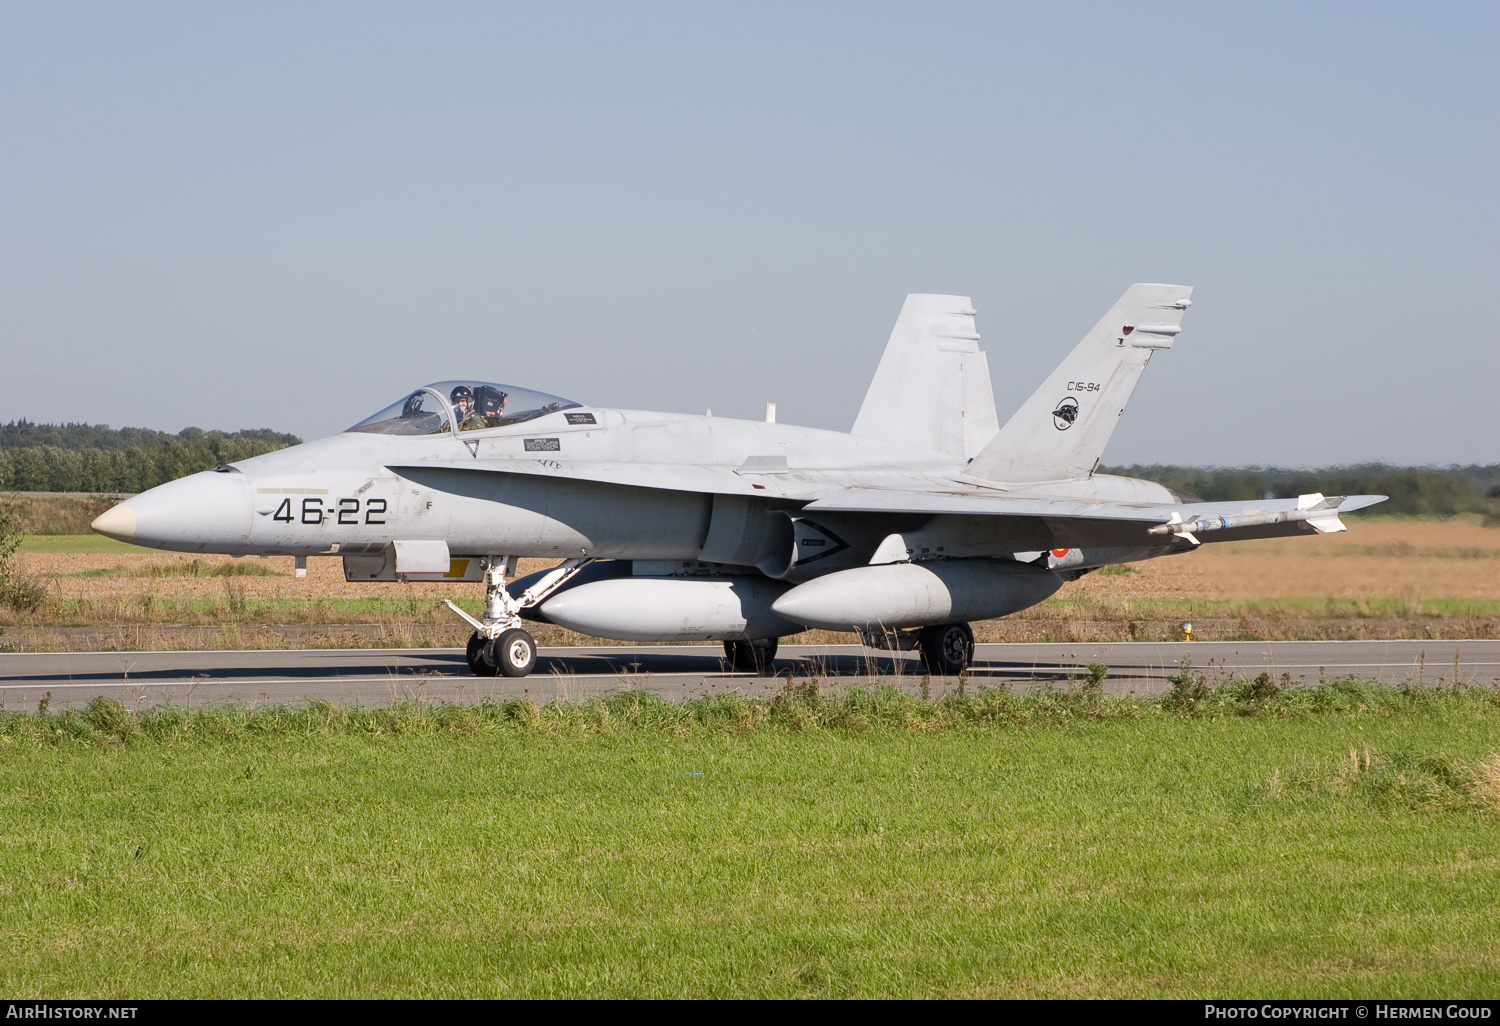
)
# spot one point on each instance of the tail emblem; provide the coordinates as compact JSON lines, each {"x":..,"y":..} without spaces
{"x":1065,"y":414}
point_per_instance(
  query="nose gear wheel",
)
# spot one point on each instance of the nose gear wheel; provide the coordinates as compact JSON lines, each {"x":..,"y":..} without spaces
{"x":475,"y":656}
{"x":513,"y":654}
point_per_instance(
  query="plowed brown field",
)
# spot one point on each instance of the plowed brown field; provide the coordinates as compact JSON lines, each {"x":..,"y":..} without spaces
{"x":1409,"y":560}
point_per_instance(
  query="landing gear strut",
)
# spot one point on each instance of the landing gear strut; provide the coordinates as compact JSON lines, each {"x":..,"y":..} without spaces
{"x":947,"y":649}
{"x":748,"y":655}
{"x":499,"y":645}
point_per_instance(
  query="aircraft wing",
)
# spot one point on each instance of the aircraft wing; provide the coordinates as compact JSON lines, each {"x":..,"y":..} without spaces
{"x":1072,"y":521}
{"x":1101,"y":522}
{"x":871,"y":500}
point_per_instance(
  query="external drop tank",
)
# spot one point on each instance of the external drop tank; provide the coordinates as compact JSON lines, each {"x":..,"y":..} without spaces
{"x":615,"y":599}
{"x":671,"y":609}
{"x":900,"y":595}
{"x":657,"y":601}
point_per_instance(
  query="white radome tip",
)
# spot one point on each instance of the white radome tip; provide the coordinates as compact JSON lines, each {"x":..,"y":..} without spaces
{"x":117,"y":522}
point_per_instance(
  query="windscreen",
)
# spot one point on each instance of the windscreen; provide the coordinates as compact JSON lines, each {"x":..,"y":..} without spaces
{"x":475,"y":404}
{"x":421,"y":413}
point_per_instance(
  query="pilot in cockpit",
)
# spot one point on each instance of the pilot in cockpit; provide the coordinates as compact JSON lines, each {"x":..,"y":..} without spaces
{"x":463,"y":408}
{"x":489,"y":404}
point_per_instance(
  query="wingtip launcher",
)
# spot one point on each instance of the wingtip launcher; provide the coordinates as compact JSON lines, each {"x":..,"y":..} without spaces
{"x":1320,"y":513}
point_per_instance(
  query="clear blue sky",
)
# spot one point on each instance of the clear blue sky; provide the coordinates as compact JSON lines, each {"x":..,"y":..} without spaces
{"x":285,"y":215}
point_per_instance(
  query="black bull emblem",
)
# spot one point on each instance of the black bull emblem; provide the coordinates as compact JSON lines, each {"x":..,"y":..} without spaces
{"x":1065,"y":414}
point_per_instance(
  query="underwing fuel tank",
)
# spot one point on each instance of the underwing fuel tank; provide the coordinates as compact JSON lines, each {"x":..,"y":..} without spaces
{"x":671,"y":609}
{"x":899,"y":595}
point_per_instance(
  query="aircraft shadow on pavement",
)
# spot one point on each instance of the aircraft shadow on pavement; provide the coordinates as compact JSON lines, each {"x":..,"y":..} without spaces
{"x":626,"y":664}
{"x":629,"y":664}
{"x":451,"y":665}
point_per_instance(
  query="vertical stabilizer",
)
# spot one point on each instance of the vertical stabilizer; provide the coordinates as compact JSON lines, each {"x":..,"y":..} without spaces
{"x":932,"y":387}
{"x":1060,"y":432}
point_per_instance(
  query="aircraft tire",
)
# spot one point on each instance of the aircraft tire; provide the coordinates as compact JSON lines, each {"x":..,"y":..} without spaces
{"x":947,"y":649}
{"x":475,"y":656}
{"x":754,"y":655}
{"x":513,"y":653}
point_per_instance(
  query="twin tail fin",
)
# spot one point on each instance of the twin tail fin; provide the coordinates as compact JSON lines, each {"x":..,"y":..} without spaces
{"x":1060,"y":433}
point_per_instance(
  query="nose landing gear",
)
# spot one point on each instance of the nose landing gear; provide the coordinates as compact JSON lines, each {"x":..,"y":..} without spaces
{"x":499,"y":645}
{"x":512,"y":654}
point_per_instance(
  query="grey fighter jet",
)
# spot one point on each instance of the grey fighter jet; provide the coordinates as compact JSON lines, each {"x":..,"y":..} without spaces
{"x":927,"y":515}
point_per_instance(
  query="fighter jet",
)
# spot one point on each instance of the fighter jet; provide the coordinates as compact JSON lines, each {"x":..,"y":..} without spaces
{"x":925,"y":516}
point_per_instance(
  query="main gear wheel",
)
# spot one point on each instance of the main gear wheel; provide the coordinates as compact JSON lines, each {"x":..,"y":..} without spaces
{"x":756,"y":655}
{"x":947,"y":649}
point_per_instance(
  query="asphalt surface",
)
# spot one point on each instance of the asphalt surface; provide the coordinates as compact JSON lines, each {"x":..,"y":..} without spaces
{"x":372,"y":676}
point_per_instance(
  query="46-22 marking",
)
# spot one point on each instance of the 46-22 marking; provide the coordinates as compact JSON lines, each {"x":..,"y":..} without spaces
{"x":347,"y":511}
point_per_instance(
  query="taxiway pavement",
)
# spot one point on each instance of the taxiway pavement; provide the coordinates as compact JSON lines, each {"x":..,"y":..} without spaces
{"x":372,"y":676}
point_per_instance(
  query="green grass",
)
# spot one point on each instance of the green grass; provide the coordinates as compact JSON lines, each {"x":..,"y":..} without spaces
{"x":77,"y":543}
{"x":183,"y":568}
{"x":1291,"y":606}
{"x":84,"y":612}
{"x":1214,"y":844}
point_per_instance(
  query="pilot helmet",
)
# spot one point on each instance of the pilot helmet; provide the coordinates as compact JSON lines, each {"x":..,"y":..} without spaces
{"x":490,"y":400}
{"x":463,"y":398}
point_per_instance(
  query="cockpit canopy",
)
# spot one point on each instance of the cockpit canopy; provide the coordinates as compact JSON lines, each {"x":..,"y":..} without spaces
{"x":461,"y":406}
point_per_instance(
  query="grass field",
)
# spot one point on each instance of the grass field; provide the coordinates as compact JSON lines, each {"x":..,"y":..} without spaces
{"x":52,"y":544}
{"x":1330,"y":843}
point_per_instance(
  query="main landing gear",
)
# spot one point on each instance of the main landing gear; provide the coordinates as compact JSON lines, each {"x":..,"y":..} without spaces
{"x":752,"y":655}
{"x":947,"y":649}
{"x":500,"y":647}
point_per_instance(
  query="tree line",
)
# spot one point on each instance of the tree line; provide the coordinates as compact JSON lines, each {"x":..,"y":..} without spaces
{"x":101,"y":459}
{"x":25,"y":434}
{"x":1417,"y":491}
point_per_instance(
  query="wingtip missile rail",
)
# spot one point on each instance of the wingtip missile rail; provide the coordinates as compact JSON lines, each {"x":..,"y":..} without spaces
{"x":1322,"y":514}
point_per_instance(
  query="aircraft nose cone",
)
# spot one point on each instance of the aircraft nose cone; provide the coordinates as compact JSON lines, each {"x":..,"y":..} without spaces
{"x":117,"y":522}
{"x":207,"y":512}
